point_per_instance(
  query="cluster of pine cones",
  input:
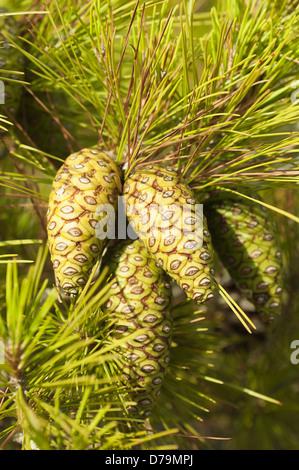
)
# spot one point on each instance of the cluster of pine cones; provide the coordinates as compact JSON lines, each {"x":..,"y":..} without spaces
{"x":172,"y":245}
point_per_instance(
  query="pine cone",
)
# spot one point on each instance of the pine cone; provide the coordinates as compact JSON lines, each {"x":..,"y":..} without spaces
{"x":244,"y":237}
{"x":140,"y":298}
{"x":162,"y":210}
{"x":86,"y":180}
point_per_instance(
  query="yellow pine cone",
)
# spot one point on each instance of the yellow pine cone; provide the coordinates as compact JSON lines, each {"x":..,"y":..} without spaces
{"x":87,"y":179}
{"x":139,"y":300}
{"x":162,"y":210}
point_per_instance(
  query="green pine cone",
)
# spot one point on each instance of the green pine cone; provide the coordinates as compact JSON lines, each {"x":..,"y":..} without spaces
{"x":87,"y":180}
{"x":244,"y":237}
{"x":140,"y":299}
{"x":162,"y":210}
{"x":10,"y":59}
